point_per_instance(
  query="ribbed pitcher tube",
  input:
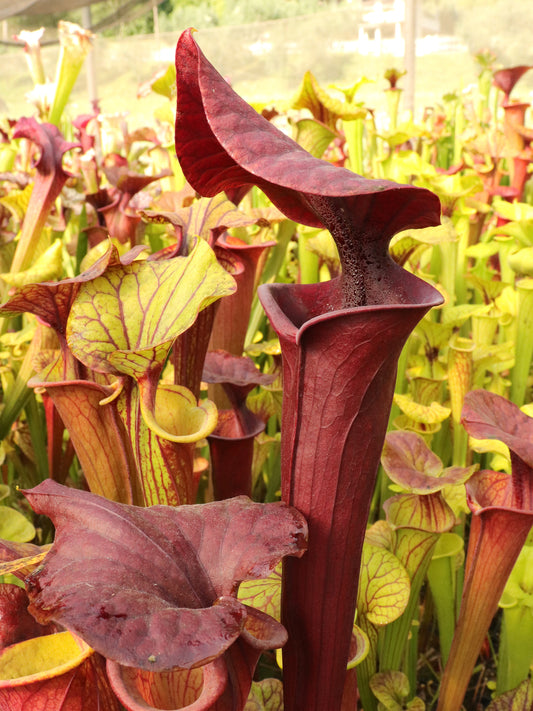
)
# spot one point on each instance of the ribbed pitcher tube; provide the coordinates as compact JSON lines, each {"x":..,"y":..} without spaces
{"x":339,"y":371}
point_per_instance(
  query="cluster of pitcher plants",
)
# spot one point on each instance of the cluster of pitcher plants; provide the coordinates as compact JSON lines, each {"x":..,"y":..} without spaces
{"x":266,"y":392}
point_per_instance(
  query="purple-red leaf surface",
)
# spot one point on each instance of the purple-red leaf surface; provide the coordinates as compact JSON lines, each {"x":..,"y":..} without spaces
{"x":16,"y":623}
{"x":339,"y":360}
{"x":155,"y":587}
{"x":489,"y":416}
{"x":503,"y":514}
{"x":231,"y":444}
{"x":238,"y":373}
{"x":223,"y":143}
{"x":505,"y":79}
{"x":49,"y":181}
{"x":411,"y":464}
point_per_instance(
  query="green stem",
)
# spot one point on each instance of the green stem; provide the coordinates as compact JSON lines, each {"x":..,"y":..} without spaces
{"x":354,"y":130}
{"x":460,"y":366}
{"x":524,"y":342}
{"x":17,"y":396}
{"x":35,"y":419}
{"x":270,"y":272}
{"x":458,"y":131}
{"x":368,"y":667}
{"x":442,"y":577}
{"x":308,"y":261}
{"x":393,"y":638}
{"x":516,"y":647}
{"x":75,"y":44}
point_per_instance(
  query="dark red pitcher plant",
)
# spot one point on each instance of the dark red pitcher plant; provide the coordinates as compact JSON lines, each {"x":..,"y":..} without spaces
{"x":340,"y":343}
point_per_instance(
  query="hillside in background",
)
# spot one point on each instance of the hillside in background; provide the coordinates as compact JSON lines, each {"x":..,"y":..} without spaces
{"x":265,"y":60}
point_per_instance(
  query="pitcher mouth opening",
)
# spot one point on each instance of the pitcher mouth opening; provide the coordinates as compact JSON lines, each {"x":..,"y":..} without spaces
{"x":41,"y":658}
{"x":298,"y":304}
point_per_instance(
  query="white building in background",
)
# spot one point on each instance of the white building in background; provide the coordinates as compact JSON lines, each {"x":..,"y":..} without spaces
{"x":382,"y":31}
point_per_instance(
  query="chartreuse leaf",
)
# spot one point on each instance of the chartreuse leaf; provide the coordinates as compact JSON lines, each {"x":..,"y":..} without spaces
{"x":427,"y":414}
{"x":46,"y":656}
{"x":202,"y":217}
{"x":315,"y":137}
{"x":14,"y":526}
{"x":161,"y":444}
{"x":323,"y":245}
{"x":383,"y":594}
{"x":457,"y":315}
{"x":409,"y":246}
{"x":491,"y":445}
{"x":383,"y":587}
{"x":514,"y":211}
{"x":4,"y":491}
{"x":47,"y":267}
{"x":359,"y":647}
{"x":176,"y":688}
{"x":418,"y":519}
{"x":515,"y":653}
{"x":448,"y":556}
{"x":141,"y":308}
{"x":265,"y":695}
{"x":428,"y":513}
{"x":264,"y":594}
{"x":521,"y":262}
{"x":519,"y":699}
{"x":391,"y":688}
{"x":324,"y":107}
{"x":165,"y":83}
{"x":17,"y":201}
{"x":57,"y":671}
{"x":126,"y":321}
{"x":524,"y":342}
{"x":175,"y":414}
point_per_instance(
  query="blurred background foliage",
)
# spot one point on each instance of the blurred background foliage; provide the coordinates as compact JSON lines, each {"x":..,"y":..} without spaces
{"x":277,"y":42}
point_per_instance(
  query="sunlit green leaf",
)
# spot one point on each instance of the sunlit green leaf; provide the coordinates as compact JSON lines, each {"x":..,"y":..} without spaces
{"x":135,"y":312}
{"x":384,"y":586}
{"x":264,"y":594}
{"x":426,"y":513}
{"x":323,"y":106}
{"x":201,"y":217}
{"x":519,"y":699}
{"x":359,"y":647}
{"x":14,"y":526}
{"x":46,"y":268}
{"x":391,"y":688}
{"x":17,"y":201}
{"x":265,"y":695}
{"x":314,"y":136}
{"x":522,"y":261}
{"x":45,"y":656}
{"x":519,"y":586}
{"x":427,"y":414}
